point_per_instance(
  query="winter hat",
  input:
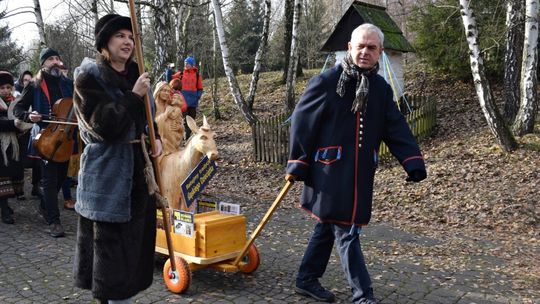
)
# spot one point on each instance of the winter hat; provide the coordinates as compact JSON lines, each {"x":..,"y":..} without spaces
{"x":46,"y":53}
{"x":190,"y":60}
{"x":107,"y":26}
{"x":6,"y":78}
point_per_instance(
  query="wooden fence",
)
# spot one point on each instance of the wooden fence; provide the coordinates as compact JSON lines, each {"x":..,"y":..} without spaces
{"x":422,"y":119}
{"x":271,"y":139}
{"x":271,"y":136}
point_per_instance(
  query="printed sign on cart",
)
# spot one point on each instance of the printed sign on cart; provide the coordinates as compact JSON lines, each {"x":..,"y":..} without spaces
{"x":206,"y":206}
{"x":229,"y":208}
{"x":183,"y":223}
{"x":198,"y":179}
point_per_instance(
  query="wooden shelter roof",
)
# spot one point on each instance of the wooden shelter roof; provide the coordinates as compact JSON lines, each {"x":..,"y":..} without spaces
{"x":359,"y":13}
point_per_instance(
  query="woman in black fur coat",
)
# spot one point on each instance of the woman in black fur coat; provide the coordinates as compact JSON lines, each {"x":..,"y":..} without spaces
{"x":117,"y":217}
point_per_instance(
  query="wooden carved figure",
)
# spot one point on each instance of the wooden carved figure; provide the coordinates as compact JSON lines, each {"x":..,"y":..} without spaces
{"x":162,"y":96}
{"x":175,"y":167}
{"x":170,"y":124}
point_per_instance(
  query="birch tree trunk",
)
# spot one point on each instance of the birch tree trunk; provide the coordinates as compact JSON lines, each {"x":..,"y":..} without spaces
{"x":41,"y":26}
{"x":293,"y":63}
{"x":185,"y":35}
{"x":483,"y":90}
{"x":233,"y":83}
{"x":177,"y":18}
{"x":512,"y":59}
{"x":215,"y":98}
{"x":163,"y":37}
{"x":259,"y":55}
{"x":289,"y":17}
{"x":526,"y":115}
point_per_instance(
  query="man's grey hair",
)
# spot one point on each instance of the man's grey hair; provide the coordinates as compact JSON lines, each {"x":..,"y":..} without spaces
{"x":370,"y":28}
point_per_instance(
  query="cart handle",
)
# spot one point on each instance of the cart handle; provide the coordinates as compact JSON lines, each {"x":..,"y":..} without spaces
{"x":265,"y":219}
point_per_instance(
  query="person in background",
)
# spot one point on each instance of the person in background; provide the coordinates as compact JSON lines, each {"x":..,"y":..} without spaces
{"x":192,"y":88}
{"x":169,"y":71}
{"x":116,"y":227}
{"x":23,"y":81}
{"x":11,"y":166}
{"x":49,"y":86}
{"x":336,"y":130}
{"x":30,"y":161}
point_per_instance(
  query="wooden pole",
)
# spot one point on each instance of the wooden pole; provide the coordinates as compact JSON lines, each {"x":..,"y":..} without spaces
{"x":151,"y":131}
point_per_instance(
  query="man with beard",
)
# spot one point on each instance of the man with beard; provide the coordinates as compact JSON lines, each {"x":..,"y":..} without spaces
{"x":41,"y":94}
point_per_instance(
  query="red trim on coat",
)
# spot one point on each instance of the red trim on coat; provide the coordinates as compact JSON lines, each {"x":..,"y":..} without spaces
{"x":330,"y":221}
{"x":298,"y":161}
{"x":330,"y":147}
{"x":328,"y":162}
{"x":411,"y":158}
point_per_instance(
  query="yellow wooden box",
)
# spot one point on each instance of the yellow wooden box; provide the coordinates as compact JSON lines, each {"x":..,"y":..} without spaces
{"x":216,"y":234}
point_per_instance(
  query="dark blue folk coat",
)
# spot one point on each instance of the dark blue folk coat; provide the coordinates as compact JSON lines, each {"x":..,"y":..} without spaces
{"x":335,"y":151}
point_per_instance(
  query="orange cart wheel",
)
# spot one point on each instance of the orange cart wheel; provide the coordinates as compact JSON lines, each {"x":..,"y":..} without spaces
{"x":179,"y":280}
{"x":251,"y":260}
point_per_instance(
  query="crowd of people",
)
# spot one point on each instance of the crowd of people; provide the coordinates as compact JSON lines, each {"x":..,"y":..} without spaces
{"x":337,"y":127}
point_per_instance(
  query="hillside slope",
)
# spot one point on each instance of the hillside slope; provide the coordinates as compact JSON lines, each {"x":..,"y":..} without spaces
{"x":474,"y":193}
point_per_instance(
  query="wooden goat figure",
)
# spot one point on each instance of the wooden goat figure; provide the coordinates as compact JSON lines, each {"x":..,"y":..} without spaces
{"x":176,"y":166}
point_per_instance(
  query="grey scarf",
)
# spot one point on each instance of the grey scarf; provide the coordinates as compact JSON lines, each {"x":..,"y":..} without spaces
{"x":352,"y":71}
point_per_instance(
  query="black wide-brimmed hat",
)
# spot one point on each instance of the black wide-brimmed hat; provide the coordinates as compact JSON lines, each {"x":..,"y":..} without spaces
{"x":107,"y":26}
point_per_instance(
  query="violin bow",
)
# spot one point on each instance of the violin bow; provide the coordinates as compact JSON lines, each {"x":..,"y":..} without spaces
{"x":151,"y":131}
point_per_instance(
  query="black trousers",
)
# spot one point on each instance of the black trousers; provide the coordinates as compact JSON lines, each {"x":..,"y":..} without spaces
{"x":53,"y":175}
{"x":191,"y":111}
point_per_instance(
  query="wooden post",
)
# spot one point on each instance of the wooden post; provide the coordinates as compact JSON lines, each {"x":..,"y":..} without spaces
{"x":151,"y":131}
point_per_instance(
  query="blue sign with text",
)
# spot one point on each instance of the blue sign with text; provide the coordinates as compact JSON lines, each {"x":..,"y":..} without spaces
{"x":198,"y":179}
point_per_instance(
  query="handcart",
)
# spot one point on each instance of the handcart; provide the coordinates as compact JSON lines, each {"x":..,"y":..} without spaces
{"x":218,"y":242}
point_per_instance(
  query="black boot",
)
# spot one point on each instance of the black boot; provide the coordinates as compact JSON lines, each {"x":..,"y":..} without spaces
{"x":7,"y":213}
{"x":35,"y":190}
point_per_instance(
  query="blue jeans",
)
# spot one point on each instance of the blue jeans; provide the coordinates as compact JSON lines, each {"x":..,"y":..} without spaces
{"x":318,"y":254}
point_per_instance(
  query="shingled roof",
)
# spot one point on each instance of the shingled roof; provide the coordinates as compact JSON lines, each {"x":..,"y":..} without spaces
{"x":359,"y":13}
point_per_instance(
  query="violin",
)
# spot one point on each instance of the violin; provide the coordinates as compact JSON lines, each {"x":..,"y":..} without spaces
{"x":55,"y":142}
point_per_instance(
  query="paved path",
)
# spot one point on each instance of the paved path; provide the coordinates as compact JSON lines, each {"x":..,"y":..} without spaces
{"x":36,"y":268}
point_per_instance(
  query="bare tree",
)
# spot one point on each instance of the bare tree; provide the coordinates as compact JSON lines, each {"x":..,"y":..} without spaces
{"x":291,"y":73}
{"x":94,"y":10}
{"x":162,"y":35}
{"x":39,"y":22}
{"x":526,"y":115}
{"x":512,"y":59}
{"x":215,"y":97}
{"x":259,"y":55}
{"x":233,"y":83}
{"x":288,"y":19}
{"x":185,"y":36}
{"x":483,"y":90}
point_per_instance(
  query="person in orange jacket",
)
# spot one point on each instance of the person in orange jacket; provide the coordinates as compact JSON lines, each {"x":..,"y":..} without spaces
{"x":192,"y":88}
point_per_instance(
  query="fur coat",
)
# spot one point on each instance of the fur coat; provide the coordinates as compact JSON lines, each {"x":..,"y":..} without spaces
{"x":115,"y":260}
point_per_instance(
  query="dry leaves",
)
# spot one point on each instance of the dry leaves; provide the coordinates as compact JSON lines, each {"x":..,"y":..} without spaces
{"x":475,"y":194}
